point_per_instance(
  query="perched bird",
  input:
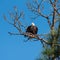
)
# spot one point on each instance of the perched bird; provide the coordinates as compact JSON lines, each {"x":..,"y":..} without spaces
{"x":32,"y":29}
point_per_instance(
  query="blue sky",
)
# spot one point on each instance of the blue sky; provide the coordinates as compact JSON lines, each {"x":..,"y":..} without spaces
{"x":13,"y":47}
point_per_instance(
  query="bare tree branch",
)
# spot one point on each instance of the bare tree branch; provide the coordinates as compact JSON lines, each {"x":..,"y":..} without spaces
{"x":37,"y":11}
{"x":30,"y":35}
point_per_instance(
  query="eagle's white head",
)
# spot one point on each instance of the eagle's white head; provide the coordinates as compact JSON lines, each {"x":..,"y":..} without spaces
{"x":33,"y":24}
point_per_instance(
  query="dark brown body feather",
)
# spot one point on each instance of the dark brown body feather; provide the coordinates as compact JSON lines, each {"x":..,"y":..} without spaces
{"x":32,"y":29}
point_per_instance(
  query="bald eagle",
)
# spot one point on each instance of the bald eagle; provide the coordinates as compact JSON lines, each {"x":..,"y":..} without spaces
{"x":32,"y":29}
